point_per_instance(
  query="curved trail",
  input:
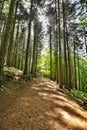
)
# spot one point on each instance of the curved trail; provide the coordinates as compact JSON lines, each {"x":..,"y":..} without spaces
{"x":39,"y":106}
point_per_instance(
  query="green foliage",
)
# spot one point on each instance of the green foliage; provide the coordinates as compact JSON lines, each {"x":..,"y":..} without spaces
{"x":5,"y":9}
{"x":44,"y":65}
{"x":84,"y":20}
{"x":83,"y":68}
{"x":76,"y":95}
{"x":82,"y":1}
{"x":43,"y":61}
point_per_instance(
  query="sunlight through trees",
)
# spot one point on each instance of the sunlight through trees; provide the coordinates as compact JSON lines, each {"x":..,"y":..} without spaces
{"x":45,"y":38}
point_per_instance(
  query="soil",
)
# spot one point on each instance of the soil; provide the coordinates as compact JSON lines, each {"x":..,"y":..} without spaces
{"x":38,"y":105}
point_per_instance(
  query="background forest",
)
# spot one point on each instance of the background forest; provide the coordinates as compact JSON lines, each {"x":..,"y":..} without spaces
{"x":46,"y":38}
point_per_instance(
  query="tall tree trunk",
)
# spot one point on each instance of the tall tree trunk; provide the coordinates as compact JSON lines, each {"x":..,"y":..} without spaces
{"x":16,"y":46}
{"x":56,"y":47}
{"x":1,"y":11}
{"x":68,"y":50}
{"x":28,"y":41}
{"x":75,"y":74}
{"x":30,"y":57}
{"x":4,"y":41}
{"x":69,"y":63}
{"x":78,"y":70}
{"x":34,"y":51}
{"x":50,"y":55}
{"x":23,"y":39}
{"x":10,"y":47}
{"x":60,"y":55}
{"x":64,"y":33}
{"x":22,"y":55}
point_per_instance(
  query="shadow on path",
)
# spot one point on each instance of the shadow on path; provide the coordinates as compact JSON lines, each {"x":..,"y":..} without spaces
{"x":65,"y":113}
{"x":38,"y":105}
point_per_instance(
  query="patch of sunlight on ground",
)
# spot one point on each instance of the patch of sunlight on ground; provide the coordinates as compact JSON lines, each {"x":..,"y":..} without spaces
{"x":42,"y":94}
{"x":72,"y":119}
{"x":65,"y":112}
{"x":35,"y":88}
{"x":51,"y":86}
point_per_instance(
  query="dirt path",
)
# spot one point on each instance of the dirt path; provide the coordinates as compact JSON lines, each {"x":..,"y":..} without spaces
{"x":38,"y":106}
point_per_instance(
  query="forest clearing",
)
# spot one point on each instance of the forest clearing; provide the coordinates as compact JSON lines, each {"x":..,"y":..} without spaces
{"x":43,"y":64}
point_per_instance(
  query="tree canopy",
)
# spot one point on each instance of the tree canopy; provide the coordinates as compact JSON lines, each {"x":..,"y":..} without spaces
{"x":45,"y":38}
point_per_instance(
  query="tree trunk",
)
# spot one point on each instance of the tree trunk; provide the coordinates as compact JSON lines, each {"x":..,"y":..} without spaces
{"x":34,"y":51}
{"x":78,"y":71}
{"x":75,"y":76}
{"x":50,"y":55}
{"x":60,"y":55}
{"x":56,"y":47}
{"x":1,"y":21}
{"x":68,"y":50}
{"x":16,"y":47}
{"x":64,"y":31}
{"x":23,"y":48}
{"x":28,"y":41}
{"x":10,"y":48}
{"x":36,"y":54}
{"x":4,"y":41}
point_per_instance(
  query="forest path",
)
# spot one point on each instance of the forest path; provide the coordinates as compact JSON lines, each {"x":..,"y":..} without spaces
{"x":39,"y":106}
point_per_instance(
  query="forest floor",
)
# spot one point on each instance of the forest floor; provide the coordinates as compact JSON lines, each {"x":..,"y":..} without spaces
{"x":38,"y":104}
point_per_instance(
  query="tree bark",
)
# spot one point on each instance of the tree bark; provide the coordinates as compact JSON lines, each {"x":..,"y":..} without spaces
{"x":10,"y":47}
{"x":65,"y":56}
{"x":50,"y":55}
{"x":56,"y":47}
{"x":4,"y":41}
{"x":75,"y":74}
{"x":16,"y":46}
{"x":28,"y":41}
{"x":60,"y":55}
{"x":78,"y":71}
{"x":34,"y":51}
